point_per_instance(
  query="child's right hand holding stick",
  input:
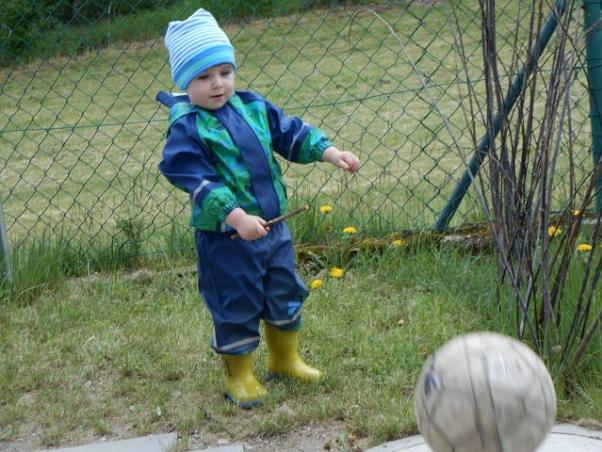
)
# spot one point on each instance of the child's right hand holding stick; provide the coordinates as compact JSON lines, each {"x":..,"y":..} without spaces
{"x":248,"y":227}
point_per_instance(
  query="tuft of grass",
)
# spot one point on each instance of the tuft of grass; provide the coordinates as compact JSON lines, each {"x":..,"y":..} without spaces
{"x":42,"y":264}
{"x":36,"y":267}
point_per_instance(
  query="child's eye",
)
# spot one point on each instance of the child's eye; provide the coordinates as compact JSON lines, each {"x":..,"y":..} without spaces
{"x":226,"y":72}
{"x":203,"y":77}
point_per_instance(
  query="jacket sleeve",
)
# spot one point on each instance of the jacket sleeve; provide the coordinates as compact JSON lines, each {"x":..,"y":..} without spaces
{"x":187,"y":164}
{"x":294,"y":139}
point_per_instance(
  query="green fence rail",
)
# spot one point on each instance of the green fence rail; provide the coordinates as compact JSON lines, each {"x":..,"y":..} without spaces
{"x":81,"y":134}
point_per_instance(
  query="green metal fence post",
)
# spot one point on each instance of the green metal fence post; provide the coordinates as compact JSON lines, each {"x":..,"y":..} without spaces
{"x":547,"y":30}
{"x":5,"y":269}
{"x":593,"y":48}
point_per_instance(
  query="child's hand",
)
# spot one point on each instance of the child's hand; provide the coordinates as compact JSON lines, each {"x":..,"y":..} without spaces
{"x":342,"y":159}
{"x":252,"y":227}
{"x":248,"y":227}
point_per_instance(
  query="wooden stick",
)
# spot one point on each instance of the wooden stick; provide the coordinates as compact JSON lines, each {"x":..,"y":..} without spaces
{"x":273,"y":221}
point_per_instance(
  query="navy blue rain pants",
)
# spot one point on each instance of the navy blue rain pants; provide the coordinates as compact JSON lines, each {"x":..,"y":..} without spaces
{"x":244,"y":281}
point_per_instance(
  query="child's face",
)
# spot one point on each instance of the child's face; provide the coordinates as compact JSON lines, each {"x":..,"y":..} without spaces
{"x":213,"y":87}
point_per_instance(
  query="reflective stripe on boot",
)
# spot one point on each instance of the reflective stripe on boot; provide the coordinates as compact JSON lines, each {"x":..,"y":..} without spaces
{"x":283,"y":357}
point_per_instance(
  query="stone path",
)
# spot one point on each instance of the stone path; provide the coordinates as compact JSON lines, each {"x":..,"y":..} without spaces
{"x":561,"y":438}
{"x":152,"y":443}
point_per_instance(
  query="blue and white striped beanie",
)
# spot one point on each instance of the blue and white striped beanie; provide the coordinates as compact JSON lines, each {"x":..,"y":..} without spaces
{"x":196,"y":44}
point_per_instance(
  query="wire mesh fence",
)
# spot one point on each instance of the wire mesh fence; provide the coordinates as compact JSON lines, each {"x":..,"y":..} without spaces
{"x":81,"y":134}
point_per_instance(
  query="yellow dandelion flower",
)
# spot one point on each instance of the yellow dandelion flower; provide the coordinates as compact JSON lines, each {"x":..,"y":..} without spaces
{"x":554,"y":231}
{"x":336,"y":272}
{"x":584,"y":247}
{"x":349,"y":230}
{"x":326,"y":209}
{"x":316,"y":283}
{"x":575,"y":212}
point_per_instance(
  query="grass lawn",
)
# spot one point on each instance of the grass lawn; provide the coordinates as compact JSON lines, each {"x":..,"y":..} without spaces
{"x":122,"y":355}
{"x":81,"y":135}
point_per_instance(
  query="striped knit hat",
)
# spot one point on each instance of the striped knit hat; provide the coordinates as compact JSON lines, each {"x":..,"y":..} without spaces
{"x":196,"y":44}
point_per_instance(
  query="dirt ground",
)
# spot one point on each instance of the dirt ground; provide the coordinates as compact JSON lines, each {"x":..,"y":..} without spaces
{"x":308,"y":438}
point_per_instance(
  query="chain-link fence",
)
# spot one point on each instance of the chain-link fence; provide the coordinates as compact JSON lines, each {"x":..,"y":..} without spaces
{"x":81,"y":134}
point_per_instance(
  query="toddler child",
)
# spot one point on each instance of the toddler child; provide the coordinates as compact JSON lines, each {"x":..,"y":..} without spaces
{"x":220,"y":150}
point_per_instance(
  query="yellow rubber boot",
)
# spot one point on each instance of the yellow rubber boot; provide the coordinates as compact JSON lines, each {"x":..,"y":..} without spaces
{"x":283,"y":357}
{"x":242,"y":387}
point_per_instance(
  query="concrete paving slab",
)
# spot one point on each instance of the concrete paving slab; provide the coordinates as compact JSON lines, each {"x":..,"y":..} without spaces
{"x":228,"y":448}
{"x":561,"y":438}
{"x":153,"y":443}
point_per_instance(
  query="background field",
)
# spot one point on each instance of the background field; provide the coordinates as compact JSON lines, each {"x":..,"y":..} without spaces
{"x":81,"y":135}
